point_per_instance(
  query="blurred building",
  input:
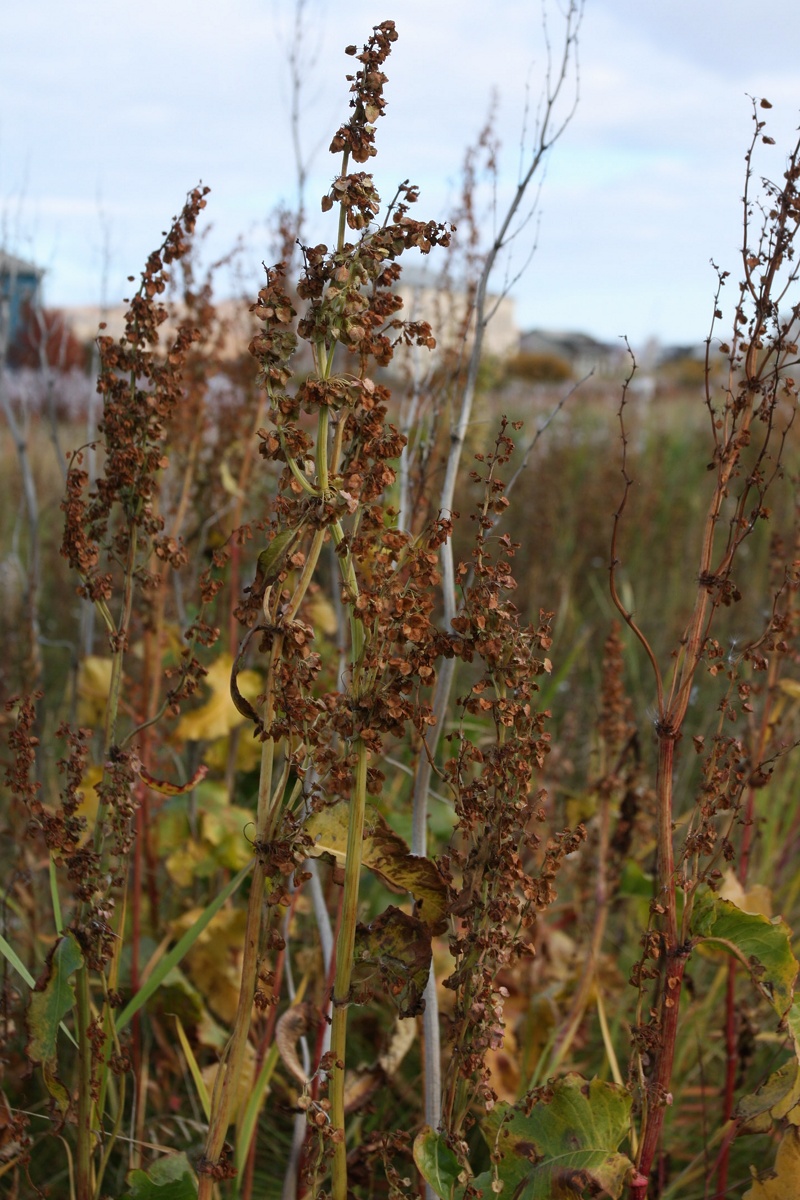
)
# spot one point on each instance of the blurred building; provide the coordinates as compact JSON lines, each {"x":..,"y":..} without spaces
{"x":20,"y":288}
{"x":584,"y":353}
{"x":445,"y":304}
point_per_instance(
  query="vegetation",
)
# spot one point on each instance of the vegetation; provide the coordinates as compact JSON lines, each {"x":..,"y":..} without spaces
{"x":355,"y":848}
{"x":539,"y":368}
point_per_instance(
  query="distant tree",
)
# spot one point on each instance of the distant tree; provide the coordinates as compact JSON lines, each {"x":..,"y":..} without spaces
{"x":539,"y":368}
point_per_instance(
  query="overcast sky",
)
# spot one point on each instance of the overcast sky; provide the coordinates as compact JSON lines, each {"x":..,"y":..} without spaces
{"x":109,"y":113}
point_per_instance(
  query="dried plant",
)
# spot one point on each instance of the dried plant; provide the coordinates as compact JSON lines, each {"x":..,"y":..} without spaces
{"x":230,"y":972}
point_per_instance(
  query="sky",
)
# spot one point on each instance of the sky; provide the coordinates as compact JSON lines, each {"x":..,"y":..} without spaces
{"x":110,"y":113}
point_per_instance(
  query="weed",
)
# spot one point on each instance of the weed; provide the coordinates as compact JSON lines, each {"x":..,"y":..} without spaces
{"x":230,"y":973}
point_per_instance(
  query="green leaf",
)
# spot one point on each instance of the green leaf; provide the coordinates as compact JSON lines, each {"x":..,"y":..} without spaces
{"x":387,"y":855}
{"x":9,"y":953}
{"x":393,"y":954}
{"x":567,"y":1143}
{"x":178,"y":997}
{"x":437,"y":1164}
{"x":762,"y":943}
{"x":793,"y":1025}
{"x":638,"y":884}
{"x":169,"y":1178}
{"x":634,"y":881}
{"x":270,"y":561}
{"x":53,"y":998}
{"x":55,"y":1087}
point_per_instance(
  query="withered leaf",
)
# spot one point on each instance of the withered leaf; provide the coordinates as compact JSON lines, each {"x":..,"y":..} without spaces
{"x":393,"y":954}
{"x":387,"y":855}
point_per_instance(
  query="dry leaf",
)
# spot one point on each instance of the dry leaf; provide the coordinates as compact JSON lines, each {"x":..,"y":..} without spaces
{"x":784,"y":1183}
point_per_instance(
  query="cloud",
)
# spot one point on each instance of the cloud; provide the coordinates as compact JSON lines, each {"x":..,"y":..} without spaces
{"x":137,"y":106}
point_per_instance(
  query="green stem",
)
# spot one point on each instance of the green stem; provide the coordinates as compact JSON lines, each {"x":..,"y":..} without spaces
{"x":344,"y":967}
{"x":84,"y":1148}
{"x":111,"y":1140}
{"x":322,"y":450}
{"x":308,"y":488}
{"x":230,"y":1067}
{"x":351,"y":585}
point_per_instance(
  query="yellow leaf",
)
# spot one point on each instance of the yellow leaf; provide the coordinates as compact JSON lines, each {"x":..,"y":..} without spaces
{"x":88,"y":805}
{"x":220,"y":839}
{"x":228,"y":482}
{"x":93,"y":686}
{"x":757,"y":899}
{"x":580,"y":807}
{"x":322,"y":615}
{"x":784,"y":1183}
{"x":791,"y":687}
{"x":248,"y":753}
{"x":225,"y":829}
{"x":384,"y":853}
{"x":245,"y":1082}
{"x":502,"y":1063}
{"x":184,"y":862}
{"x":219,"y":715}
{"x":214,"y":962}
{"x":776,"y":1100}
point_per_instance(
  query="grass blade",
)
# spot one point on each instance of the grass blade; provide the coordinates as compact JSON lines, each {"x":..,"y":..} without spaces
{"x":199,"y":1082}
{"x":11,"y":956}
{"x":253,"y":1108}
{"x":180,"y":949}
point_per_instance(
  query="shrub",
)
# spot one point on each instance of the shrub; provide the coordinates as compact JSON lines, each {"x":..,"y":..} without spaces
{"x":539,"y":368}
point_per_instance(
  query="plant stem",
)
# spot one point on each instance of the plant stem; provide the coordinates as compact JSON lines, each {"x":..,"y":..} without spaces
{"x":675,"y":959}
{"x":344,"y":966}
{"x":83,"y":1150}
{"x":85,"y":1147}
{"x":230,"y":1068}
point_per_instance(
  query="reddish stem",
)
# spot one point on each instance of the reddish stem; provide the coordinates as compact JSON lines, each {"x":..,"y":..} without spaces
{"x":675,"y":957}
{"x":730,"y":1010}
{"x":638,"y":1187}
{"x":722,"y":1157}
{"x":136,"y":933}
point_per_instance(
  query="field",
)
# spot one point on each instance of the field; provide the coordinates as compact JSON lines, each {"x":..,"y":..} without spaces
{"x":400,"y":766}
